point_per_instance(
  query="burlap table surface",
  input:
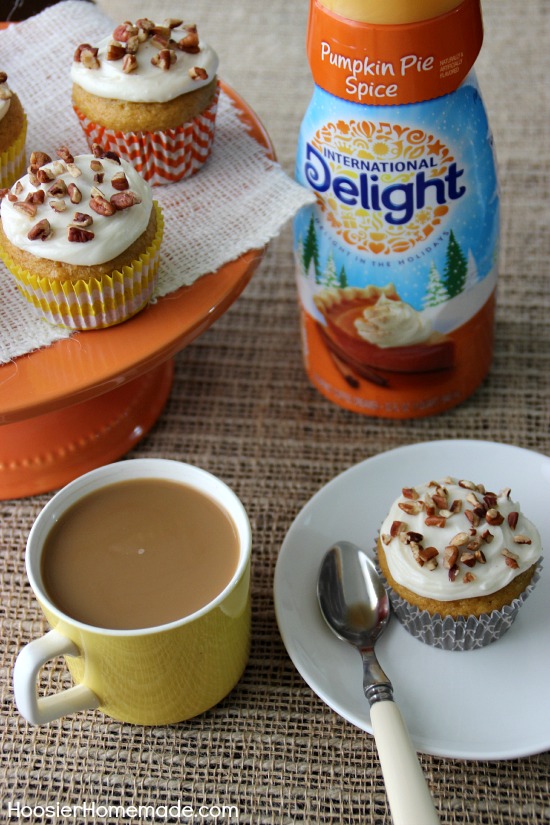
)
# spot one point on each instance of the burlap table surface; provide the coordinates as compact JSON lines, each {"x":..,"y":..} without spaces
{"x":241,"y":407}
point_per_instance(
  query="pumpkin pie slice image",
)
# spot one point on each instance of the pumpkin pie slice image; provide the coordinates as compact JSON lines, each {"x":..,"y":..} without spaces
{"x":374,"y":327}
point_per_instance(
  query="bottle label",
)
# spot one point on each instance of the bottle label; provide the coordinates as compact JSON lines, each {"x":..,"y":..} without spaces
{"x":397,"y":261}
{"x":384,"y":65}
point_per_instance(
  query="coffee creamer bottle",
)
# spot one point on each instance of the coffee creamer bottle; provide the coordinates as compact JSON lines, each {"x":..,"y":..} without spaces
{"x":397,"y":258}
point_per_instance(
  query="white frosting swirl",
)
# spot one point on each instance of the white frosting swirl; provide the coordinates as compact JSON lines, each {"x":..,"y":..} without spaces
{"x":390,"y":323}
{"x":147,"y":83}
{"x":112,"y":235}
{"x":5,"y":101}
{"x":436,"y":583}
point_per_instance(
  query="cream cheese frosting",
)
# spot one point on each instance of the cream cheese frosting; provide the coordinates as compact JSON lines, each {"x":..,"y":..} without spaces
{"x":5,"y":95}
{"x":71,"y":200}
{"x":147,"y":82}
{"x":389,"y":323}
{"x":452,"y":539}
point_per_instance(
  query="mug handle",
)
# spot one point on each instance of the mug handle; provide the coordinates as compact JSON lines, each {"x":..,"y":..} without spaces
{"x":40,"y":711}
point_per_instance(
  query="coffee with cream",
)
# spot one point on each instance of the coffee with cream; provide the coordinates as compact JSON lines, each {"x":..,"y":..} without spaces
{"x":139,"y":553}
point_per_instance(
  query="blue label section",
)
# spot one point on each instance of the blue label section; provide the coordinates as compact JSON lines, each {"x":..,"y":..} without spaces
{"x":407,"y":195}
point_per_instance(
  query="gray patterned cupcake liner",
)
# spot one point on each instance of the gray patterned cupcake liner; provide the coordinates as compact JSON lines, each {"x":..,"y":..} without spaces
{"x":463,"y":633}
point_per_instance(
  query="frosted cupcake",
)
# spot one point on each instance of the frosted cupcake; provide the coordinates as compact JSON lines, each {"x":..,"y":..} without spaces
{"x":13,"y":131}
{"x":150,"y":93}
{"x":82,"y":236}
{"x":459,"y":562}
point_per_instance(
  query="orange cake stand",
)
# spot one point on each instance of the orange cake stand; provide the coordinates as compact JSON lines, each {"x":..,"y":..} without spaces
{"x":87,"y":400}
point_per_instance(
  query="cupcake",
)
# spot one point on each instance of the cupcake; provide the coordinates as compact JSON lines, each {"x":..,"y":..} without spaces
{"x":13,"y":131}
{"x":458,"y":561}
{"x":82,"y":237}
{"x":150,"y":93}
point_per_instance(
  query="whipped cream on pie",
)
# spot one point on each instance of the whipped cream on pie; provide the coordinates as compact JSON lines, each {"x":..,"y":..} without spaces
{"x":125,"y":65}
{"x":452,"y":539}
{"x":391,"y":323}
{"x":87,"y":210}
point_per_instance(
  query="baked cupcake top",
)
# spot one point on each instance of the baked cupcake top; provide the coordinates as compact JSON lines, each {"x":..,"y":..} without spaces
{"x":143,"y":62}
{"x":5,"y":94}
{"x":452,"y":539}
{"x":82,"y":210}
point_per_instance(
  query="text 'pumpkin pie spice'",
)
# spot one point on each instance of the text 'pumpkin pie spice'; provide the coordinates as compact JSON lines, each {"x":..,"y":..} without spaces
{"x":459,"y":561}
{"x":149,"y":92}
{"x":13,"y":133}
{"x":82,"y":236}
{"x":396,"y":146}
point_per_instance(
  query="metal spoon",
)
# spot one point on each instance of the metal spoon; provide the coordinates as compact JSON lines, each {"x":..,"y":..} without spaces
{"x":356,"y":607}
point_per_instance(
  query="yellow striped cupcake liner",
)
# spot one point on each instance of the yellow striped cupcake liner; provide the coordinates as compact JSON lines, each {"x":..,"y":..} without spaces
{"x":93,"y":303}
{"x":13,"y":161}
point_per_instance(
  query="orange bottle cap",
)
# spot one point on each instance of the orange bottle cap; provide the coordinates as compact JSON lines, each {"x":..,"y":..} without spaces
{"x":384,"y":65}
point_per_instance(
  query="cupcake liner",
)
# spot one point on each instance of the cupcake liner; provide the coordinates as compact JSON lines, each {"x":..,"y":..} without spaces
{"x":13,"y":161}
{"x":160,"y":157}
{"x":463,"y":633}
{"x":93,"y":303}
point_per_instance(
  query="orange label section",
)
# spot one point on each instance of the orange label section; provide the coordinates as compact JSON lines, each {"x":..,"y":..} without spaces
{"x":392,"y":64}
{"x":408,"y":387}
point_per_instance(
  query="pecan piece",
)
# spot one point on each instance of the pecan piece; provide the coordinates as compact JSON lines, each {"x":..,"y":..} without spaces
{"x":41,"y":231}
{"x":74,"y":193}
{"x":123,"y":200}
{"x":513,"y":519}
{"x":38,"y":159}
{"x":190,"y":42}
{"x":101,"y":205}
{"x":435,"y":521}
{"x":409,"y":492}
{"x":64,"y":153}
{"x":124,"y":31}
{"x":450,"y":556}
{"x":453,"y":572}
{"x":82,"y":219}
{"x":76,"y":234}
{"x":58,"y":189}
{"x":412,"y":508}
{"x":468,"y":558}
{"x":493,"y":517}
{"x":460,"y":539}
{"x":198,"y":73}
{"x":468,"y":578}
{"x":428,"y":553}
{"x":58,"y":205}
{"x":36,"y":197}
{"x":119,"y":181}
{"x":115,"y":51}
{"x":519,"y":538}
{"x":397,"y":527}
{"x":28,"y":208}
{"x":164,"y":59}
{"x":129,"y":64}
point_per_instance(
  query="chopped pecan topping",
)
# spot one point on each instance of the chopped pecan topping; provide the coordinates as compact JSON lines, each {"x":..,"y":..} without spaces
{"x":38,"y":159}
{"x":412,"y":508}
{"x":409,"y":492}
{"x":512,"y":519}
{"x":164,"y":59}
{"x":198,"y":73}
{"x":115,"y":51}
{"x":521,"y":539}
{"x":435,"y":521}
{"x":82,"y":219}
{"x":101,"y":205}
{"x":123,"y":200}
{"x":129,"y":64}
{"x":76,"y":234}
{"x":450,"y":556}
{"x":28,"y":208}
{"x":493,"y":517}
{"x":397,"y":527}
{"x":119,"y":181}
{"x":74,"y":193}
{"x":41,"y":231}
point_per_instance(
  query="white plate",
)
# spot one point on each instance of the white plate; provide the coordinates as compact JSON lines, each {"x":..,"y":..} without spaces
{"x":492,"y":703}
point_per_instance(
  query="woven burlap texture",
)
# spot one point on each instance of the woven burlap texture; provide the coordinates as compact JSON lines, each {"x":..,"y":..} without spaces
{"x":239,"y":201}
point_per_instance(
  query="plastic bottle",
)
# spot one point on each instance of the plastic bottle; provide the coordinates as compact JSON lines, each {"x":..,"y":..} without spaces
{"x":397,"y":260}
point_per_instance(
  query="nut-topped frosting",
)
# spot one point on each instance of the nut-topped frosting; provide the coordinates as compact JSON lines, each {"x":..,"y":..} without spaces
{"x":82,"y":210}
{"x":143,"y":62}
{"x":5,"y":95}
{"x":453,"y":539}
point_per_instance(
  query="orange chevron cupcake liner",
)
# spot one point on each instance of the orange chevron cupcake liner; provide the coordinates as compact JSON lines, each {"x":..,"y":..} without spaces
{"x":160,"y":157}
{"x":93,"y":303}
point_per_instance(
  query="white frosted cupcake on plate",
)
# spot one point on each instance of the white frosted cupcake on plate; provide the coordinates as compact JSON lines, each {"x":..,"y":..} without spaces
{"x":149,"y":92}
{"x":82,"y":236}
{"x":459,"y":561}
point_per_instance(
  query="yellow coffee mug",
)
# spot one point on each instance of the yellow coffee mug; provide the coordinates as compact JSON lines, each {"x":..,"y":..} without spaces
{"x":152,"y":676}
